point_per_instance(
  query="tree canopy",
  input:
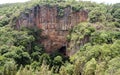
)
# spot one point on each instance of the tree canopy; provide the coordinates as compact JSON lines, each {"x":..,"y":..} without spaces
{"x":94,"y":45}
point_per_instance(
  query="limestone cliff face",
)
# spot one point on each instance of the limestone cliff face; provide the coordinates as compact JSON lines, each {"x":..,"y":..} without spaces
{"x":54,"y":27}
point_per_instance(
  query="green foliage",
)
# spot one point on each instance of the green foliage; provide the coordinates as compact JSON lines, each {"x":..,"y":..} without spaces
{"x":77,"y":7}
{"x":45,"y":58}
{"x":78,"y":35}
{"x":25,"y":71}
{"x":60,"y":11}
{"x":16,"y":45}
{"x":116,"y":14}
{"x":90,"y":67}
{"x":115,"y":7}
{"x":67,"y":69}
{"x":43,"y":70}
{"x":7,"y":11}
{"x":113,"y":66}
{"x":10,"y":69}
{"x":95,"y":44}
{"x":57,"y":60}
{"x":97,"y":15}
{"x":83,"y":29}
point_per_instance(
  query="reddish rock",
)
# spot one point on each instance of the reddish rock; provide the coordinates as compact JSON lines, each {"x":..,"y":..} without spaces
{"x":54,"y":27}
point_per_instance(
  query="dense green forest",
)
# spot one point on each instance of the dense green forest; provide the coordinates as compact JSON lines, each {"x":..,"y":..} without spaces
{"x":21,"y":54}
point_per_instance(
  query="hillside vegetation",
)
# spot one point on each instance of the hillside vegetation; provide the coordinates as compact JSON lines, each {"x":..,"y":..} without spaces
{"x":22,"y":54}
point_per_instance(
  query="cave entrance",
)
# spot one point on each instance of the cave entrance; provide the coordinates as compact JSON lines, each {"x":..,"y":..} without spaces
{"x":62,"y":50}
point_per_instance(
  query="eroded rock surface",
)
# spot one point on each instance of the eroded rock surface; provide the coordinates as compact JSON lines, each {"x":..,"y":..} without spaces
{"x":55,"y":28}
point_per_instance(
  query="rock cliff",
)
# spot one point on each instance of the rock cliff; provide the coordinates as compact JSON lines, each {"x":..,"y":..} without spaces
{"x":54,"y":23}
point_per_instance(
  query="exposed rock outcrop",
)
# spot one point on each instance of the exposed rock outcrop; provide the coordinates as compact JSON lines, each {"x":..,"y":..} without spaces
{"x":55,"y":27}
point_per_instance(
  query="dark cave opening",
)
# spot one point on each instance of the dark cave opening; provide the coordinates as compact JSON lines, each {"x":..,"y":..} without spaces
{"x":62,"y":50}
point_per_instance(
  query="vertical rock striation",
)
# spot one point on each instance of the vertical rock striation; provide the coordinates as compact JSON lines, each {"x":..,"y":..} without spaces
{"x":54,"y":26}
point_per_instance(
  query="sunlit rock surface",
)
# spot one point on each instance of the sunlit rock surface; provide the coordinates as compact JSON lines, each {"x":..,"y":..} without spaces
{"x":55,"y":28}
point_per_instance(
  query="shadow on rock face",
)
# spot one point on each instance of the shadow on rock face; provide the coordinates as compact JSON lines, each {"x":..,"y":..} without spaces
{"x":62,"y":50}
